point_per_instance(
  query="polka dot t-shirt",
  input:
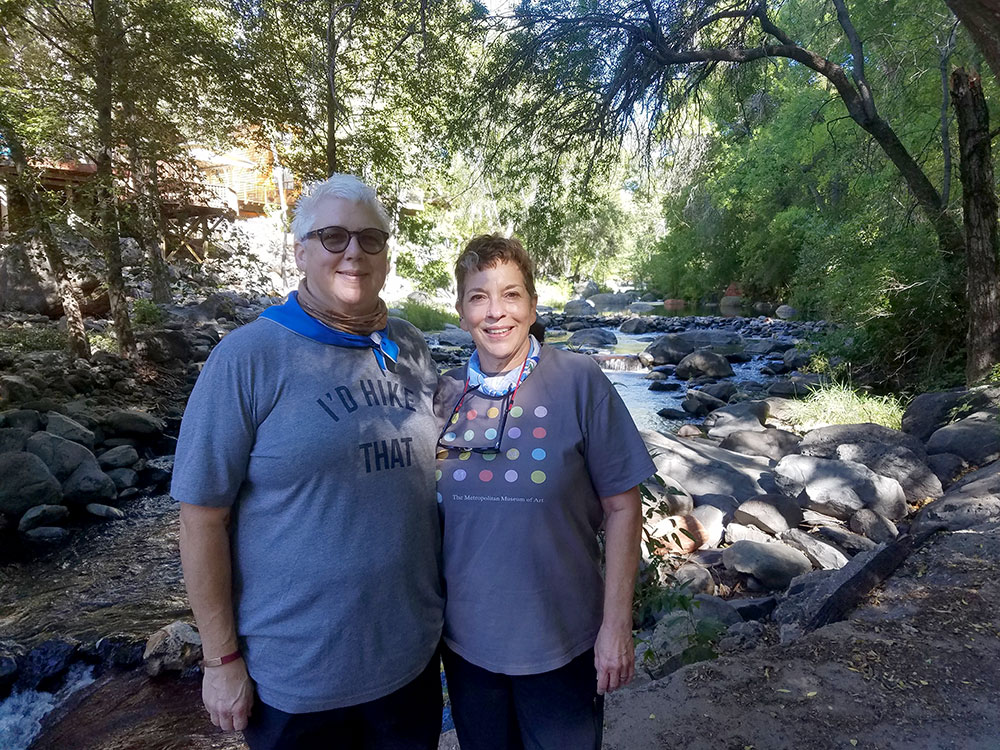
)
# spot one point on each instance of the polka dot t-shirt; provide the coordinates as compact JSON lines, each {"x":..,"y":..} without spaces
{"x":521,"y":558}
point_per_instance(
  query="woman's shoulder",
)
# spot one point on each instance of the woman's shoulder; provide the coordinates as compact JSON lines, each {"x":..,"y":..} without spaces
{"x":260,"y":334}
{"x":570,"y":363}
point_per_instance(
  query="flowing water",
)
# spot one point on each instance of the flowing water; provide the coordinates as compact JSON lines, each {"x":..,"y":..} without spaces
{"x":124,"y":579}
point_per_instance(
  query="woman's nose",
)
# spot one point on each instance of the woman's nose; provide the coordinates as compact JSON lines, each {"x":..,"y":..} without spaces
{"x":353,"y":249}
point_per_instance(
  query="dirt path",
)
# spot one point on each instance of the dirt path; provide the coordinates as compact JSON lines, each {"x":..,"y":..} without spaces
{"x":917,"y":666}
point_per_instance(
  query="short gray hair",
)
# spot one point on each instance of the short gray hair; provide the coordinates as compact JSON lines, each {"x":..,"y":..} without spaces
{"x":345,"y":186}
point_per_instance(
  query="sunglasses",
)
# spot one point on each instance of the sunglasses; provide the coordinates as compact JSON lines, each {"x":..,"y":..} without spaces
{"x":336,"y":239}
{"x":487,"y":442}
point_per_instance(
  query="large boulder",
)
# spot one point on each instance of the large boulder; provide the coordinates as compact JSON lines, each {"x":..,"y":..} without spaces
{"x":88,"y":484}
{"x":821,"y":554}
{"x":173,"y":648}
{"x":704,"y":469}
{"x":27,"y":482}
{"x":585,"y":289}
{"x":786,"y":312}
{"x":119,"y":457}
{"x":668,"y":350}
{"x":13,"y":439}
{"x":24,"y":419}
{"x":897,"y":462}
{"x":60,"y":455}
{"x":455,"y":337}
{"x":931,"y":411}
{"x":964,"y":506}
{"x":579,"y":307}
{"x":635,"y":325}
{"x":824,"y":441}
{"x":975,"y":438}
{"x":769,"y":442}
{"x":164,"y":346}
{"x":42,"y":515}
{"x":839,"y":488}
{"x":708,"y":337}
{"x":700,"y":403}
{"x":874,"y":526}
{"x":596,"y":337}
{"x":703,"y":362}
{"x":70,"y":429}
{"x":773,"y":564}
{"x":770,"y":513}
{"x":606,"y":302}
{"x":132,"y":422}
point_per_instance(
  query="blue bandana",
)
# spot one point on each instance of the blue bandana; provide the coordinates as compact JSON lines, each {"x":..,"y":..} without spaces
{"x":291,"y":316}
{"x":499,"y":385}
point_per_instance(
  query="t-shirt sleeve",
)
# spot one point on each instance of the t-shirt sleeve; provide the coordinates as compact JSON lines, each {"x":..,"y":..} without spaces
{"x":616,"y":456}
{"x":217,"y":433}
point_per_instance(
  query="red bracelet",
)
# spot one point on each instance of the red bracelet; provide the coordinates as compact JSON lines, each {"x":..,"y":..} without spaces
{"x":218,"y":661}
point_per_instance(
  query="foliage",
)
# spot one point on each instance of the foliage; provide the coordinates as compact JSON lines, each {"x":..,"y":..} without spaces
{"x":840,"y":403}
{"x":427,"y":317}
{"x":146,"y":313}
{"x":34,"y":339}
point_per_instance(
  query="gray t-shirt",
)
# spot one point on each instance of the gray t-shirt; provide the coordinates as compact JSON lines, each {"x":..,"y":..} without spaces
{"x":329,"y":466}
{"x":521,"y":556}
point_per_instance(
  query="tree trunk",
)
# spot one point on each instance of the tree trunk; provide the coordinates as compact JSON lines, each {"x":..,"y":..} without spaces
{"x":76,"y":340}
{"x":980,"y":209}
{"x":107,"y":214}
{"x":981,"y":18}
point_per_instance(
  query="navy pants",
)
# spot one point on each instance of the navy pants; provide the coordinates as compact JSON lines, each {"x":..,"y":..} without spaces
{"x":408,"y":719}
{"x":557,"y":710}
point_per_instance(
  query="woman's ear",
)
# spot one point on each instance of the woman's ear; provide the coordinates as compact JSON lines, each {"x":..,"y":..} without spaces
{"x":461,"y":318}
{"x":300,"y":256}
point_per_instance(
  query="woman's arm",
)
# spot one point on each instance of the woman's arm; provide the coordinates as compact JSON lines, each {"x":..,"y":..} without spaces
{"x":614,"y":652}
{"x":204,"y":541}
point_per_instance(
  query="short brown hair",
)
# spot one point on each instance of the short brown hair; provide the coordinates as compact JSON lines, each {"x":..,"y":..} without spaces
{"x":489,"y":250}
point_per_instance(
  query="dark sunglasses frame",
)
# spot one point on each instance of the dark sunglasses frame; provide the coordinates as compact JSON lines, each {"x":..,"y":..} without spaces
{"x":504,"y":411}
{"x":361,"y":234}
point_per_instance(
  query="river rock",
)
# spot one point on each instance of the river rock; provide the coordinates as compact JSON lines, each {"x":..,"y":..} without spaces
{"x":173,"y":648}
{"x":664,"y":386}
{"x":848,"y":541}
{"x":929,"y":412}
{"x":839,"y":488}
{"x":158,"y":470}
{"x":786,"y":312}
{"x":738,"y":532}
{"x":874,"y":526}
{"x":668,"y":497}
{"x":713,"y":524}
{"x":964,"y":506}
{"x":15,"y":389}
{"x":88,"y":484}
{"x":455,"y":337}
{"x":13,"y":439}
{"x":774,"y":564}
{"x":43,"y":515}
{"x":704,"y":469}
{"x":27,"y":482}
{"x":25,"y":419}
{"x":769,"y":442}
{"x":700,"y":403}
{"x":685,"y":430}
{"x":119,"y":457}
{"x":679,"y":534}
{"x":46,"y":664}
{"x":587,"y":288}
{"x":132,"y":422}
{"x":163,"y":346}
{"x":668,"y":350}
{"x":697,"y":579}
{"x":47,"y":535}
{"x":795,"y":387}
{"x":123,"y":478}
{"x":722,"y":391}
{"x":610,"y":301}
{"x":897,"y":462}
{"x":579,"y":307}
{"x":770,"y":513}
{"x":635,"y":325}
{"x":947,"y":467}
{"x":824,"y":441}
{"x":821,"y":554}
{"x":595,"y":337}
{"x":62,"y":456}
{"x":709,"y":337}
{"x":703,"y":362}
{"x":106,"y":512}
{"x":70,"y":429}
{"x":975,"y":438}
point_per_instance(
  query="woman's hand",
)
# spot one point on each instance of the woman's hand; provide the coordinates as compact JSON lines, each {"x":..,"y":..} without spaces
{"x":228,"y":695}
{"x":614,"y":657}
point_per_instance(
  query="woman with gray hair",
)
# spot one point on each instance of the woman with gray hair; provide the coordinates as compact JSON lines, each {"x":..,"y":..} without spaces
{"x":309,"y":534}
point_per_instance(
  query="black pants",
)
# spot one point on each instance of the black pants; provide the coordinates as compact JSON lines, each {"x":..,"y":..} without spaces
{"x":408,"y":719}
{"x":557,"y":710}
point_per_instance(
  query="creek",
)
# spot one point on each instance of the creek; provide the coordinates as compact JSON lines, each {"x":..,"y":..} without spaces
{"x":120,"y":582}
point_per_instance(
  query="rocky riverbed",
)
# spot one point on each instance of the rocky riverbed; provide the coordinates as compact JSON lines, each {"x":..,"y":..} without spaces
{"x":776,"y":536}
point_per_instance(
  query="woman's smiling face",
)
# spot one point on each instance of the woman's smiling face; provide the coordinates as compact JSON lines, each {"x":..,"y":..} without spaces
{"x":497,"y":310}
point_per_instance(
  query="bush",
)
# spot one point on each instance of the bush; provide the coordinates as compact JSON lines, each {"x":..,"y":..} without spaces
{"x":427,"y":317}
{"x":840,"y":403}
{"x":44,"y":339}
{"x":146,"y":313}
